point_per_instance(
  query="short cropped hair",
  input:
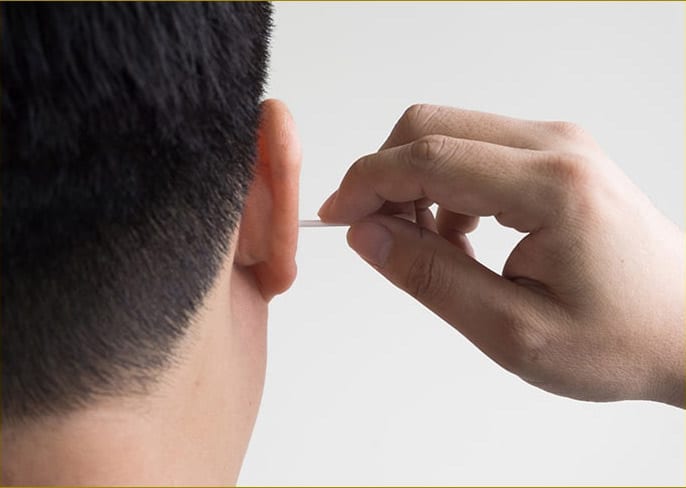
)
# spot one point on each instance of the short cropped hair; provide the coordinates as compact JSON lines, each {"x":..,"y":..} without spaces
{"x":128,"y":144}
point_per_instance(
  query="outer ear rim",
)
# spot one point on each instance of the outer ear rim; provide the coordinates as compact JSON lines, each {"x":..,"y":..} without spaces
{"x":268,"y":231}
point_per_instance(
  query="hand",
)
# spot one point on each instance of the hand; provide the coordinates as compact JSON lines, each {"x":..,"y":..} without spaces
{"x":590,"y":303}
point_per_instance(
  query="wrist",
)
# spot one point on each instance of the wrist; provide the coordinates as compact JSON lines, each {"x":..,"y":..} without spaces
{"x":676,"y":379}
{"x":669,"y":380}
{"x":671,"y":357}
{"x":674,"y":388}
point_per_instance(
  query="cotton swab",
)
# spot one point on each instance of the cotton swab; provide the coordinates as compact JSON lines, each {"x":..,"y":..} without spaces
{"x":318,"y":223}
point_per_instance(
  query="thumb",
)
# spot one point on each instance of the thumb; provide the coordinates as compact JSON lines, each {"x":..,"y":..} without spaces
{"x":476,"y":301}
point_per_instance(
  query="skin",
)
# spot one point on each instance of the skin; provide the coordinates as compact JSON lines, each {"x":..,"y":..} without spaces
{"x":590,"y":303}
{"x":194,"y":428}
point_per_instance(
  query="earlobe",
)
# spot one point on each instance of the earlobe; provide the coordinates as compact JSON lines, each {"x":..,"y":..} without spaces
{"x":268,"y":232}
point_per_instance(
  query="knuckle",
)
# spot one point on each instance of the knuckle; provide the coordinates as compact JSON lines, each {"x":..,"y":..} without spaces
{"x":569,"y":183}
{"x":525,"y":344}
{"x":570,"y":171}
{"x":360,"y":166}
{"x":531,"y":346}
{"x":358,"y":172}
{"x":428,"y":148}
{"x":418,"y":115}
{"x":414,"y":112}
{"x":567,"y":130}
{"x":424,"y":280}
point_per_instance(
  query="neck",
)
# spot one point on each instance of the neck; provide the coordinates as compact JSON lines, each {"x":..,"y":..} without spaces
{"x":192,"y":429}
{"x":107,"y":446}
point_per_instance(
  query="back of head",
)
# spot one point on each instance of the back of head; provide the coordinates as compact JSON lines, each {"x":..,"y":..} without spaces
{"x":128,"y":137}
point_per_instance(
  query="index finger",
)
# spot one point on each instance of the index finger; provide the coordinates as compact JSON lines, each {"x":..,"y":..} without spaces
{"x":463,"y":176}
{"x":424,"y":119}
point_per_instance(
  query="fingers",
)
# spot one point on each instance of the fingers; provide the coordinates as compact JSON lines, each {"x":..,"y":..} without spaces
{"x":473,"y":299}
{"x":425,"y":218}
{"x":464,"y":177}
{"x":448,"y":222}
{"x":414,"y":211}
{"x":422,"y":120}
{"x":470,"y":163}
{"x":453,"y":227}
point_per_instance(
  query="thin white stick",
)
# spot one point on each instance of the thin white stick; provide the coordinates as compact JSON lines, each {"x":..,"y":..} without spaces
{"x":318,"y":223}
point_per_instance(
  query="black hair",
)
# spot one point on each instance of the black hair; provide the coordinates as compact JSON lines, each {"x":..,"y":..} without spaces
{"x":128,"y":142}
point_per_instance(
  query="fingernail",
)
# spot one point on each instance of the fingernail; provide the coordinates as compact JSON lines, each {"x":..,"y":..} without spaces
{"x":371,"y":241}
{"x":327,"y":204}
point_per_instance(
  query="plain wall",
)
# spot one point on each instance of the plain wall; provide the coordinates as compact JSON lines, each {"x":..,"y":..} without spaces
{"x":365,"y":386}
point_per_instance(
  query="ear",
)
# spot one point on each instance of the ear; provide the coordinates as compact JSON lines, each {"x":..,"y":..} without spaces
{"x":268,"y":231}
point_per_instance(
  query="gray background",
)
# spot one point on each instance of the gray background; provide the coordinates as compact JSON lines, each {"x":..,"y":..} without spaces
{"x":364,"y":386}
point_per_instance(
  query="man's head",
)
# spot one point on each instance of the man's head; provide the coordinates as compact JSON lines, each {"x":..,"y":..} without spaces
{"x":149,"y":207}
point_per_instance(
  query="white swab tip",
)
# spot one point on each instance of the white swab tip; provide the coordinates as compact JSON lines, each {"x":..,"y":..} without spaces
{"x":318,"y":223}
